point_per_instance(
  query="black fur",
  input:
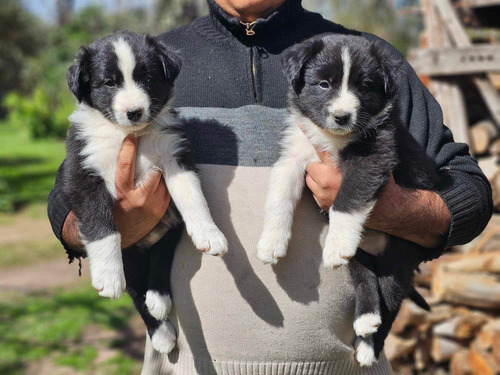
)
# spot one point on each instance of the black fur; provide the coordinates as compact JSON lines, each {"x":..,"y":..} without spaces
{"x":380,"y":146}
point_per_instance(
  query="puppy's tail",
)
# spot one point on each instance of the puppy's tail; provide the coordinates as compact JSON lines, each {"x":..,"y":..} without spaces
{"x":418,"y":299}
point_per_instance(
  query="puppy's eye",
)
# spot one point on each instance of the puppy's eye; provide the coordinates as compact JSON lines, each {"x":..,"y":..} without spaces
{"x":325,"y":85}
{"x":148,"y":79}
{"x":109,"y":83}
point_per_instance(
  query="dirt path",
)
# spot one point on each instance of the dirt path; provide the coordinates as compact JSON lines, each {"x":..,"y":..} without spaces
{"x":41,"y":276}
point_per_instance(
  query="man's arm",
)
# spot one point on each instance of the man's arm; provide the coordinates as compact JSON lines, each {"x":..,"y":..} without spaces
{"x":460,"y":208}
{"x":416,"y":215}
{"x":136,"y":211}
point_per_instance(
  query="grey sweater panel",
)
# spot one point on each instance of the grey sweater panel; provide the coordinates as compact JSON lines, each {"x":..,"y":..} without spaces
{"x":247,"y":136}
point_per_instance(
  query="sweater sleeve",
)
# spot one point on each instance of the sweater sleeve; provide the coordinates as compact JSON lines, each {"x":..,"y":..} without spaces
{"x":58,"y":210}
{"x":463,"y":186}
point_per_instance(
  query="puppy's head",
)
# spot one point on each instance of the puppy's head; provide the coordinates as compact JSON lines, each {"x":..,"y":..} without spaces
{"x":341,"y":83}
{"x":127,"y":77}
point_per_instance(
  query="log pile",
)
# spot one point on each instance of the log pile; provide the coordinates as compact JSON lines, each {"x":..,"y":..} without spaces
{"x":458,"y":60}
{"x":461,"y":334}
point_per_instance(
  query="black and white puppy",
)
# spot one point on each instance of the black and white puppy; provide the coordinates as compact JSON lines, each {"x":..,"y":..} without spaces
{"x":343,"y":94}
{"x":124,"y":86}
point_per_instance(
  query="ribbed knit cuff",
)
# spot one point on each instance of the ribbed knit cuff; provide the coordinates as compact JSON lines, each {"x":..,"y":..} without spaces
{"x":465,"y":197}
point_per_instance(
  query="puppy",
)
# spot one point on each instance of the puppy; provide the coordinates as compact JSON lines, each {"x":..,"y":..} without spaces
{"x":124,"y":86}
{"x":343,"y":95}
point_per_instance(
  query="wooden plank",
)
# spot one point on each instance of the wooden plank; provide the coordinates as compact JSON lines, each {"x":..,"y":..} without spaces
{"x":452,"y":23}
{"x":459,"y":36}
{"x":490,"y":96}
{"x":456,"y":61}
{"x":447,"y":92}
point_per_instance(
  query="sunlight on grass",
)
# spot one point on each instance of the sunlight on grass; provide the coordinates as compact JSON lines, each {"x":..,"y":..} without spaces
{"x":51,"y":325}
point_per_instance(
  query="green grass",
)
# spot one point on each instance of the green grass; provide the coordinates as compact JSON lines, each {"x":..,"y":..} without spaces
{"x":27,"y":167}
{"x":51,"y":325}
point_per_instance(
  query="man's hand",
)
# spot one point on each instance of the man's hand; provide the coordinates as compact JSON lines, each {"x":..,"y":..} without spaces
{"x":418,"y":216}
{"x":137,"y":210}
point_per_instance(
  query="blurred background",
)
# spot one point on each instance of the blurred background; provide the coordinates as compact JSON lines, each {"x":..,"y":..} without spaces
{"x":53,"y":322}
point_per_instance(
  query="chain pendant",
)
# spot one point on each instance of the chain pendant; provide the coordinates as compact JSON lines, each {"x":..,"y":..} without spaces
{"x":249,"y":27}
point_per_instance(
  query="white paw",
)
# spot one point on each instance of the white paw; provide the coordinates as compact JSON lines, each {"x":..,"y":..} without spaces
{"x":365,"y":354}
{"x":367,"y":324}
{"x":271,"y":247}
{"x":338,"y":250}
{"x":159,"y":305}
{"x":164,"y":338}
{"x":108,"y":281}
{"x":332,"y":259}
{"x":210,"y":240}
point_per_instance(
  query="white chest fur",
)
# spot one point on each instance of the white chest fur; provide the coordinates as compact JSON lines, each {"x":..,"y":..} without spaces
{"x":103,"y":141}
{"x":303,"y":144}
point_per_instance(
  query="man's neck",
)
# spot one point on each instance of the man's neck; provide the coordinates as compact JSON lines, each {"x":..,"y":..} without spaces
{"x":249,"y":11}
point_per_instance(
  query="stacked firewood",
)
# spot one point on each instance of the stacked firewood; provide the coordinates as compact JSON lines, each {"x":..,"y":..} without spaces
{"x":461,"y":334}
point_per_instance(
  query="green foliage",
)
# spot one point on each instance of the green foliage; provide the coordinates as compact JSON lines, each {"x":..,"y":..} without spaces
{"x":45,"y":110}
{"x":20,"y":39}
{"x":43,"y":114}
{"x":27,"y":167}
{"x":52,"y":324}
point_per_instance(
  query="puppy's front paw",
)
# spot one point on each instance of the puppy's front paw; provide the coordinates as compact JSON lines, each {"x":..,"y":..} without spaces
{"x":332,"y":258}
{"x":367,"y":324}
{"x":338,"y":249}
{"x":271,"y":247}
{"x":158,"y":304}
{"x":210,"y":240}
{"x":164,"y":338}
{"x":109,"y":282}
{"x":365,"y":355}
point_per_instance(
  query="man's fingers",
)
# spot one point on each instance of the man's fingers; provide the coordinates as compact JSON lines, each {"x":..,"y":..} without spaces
{"x":311,"y":183}
{"x":125,"y":169}
{"x":314,"y":169}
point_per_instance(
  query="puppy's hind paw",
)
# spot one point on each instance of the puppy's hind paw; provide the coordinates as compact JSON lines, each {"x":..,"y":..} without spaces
{"x":158,"y":304}
{"x":365,"y":355}
{"x":164,"y":338}
{"x":367,"y":324}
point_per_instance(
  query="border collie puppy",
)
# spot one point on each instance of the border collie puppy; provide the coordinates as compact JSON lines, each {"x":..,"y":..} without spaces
{"x":124,"y":86}
{"x":342,"y":94}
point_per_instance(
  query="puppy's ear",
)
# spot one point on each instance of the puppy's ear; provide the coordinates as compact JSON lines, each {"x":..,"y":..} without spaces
{"x":392,"y":67}
{"x":79,"y":74}
{"x":295,"y":58}
{"x":169,"y":58}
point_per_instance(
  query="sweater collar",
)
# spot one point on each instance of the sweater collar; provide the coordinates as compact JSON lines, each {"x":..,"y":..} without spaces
{"x":274,"y":26}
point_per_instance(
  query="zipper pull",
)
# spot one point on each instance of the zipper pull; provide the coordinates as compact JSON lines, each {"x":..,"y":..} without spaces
{"x":249,"y":27}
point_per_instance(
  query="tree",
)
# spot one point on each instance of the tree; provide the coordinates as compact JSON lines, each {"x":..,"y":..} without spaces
{"x":20,"y":39}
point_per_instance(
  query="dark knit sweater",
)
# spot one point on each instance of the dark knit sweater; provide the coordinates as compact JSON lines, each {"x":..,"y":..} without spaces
{"x":231,"y":93}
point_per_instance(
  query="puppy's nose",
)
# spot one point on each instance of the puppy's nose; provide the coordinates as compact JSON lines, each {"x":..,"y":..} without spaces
{"x":135,"y":114}
{"x":341,"y":117}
